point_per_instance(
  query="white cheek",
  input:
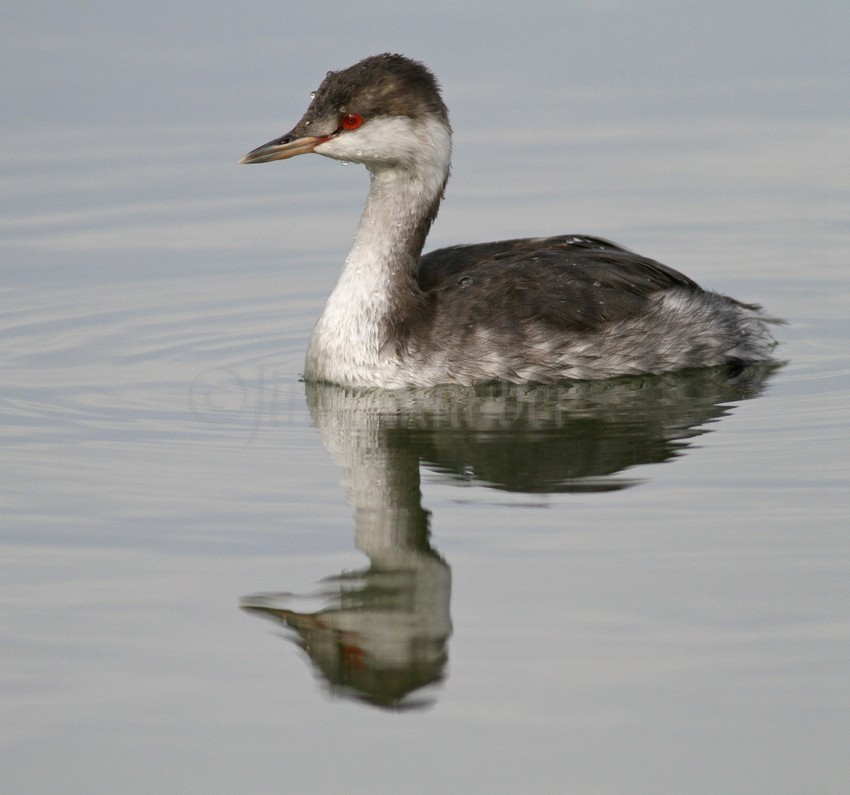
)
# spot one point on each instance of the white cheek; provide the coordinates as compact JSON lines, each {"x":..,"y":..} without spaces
{"x":370,"y":143}
{"x":335,"y":148}
{"x":390,"y":140}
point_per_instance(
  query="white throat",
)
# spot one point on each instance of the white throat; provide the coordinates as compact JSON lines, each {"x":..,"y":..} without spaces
{"x":408,"y":163}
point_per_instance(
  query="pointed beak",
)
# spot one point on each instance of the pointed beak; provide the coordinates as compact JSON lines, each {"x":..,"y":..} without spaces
{"x":282,"y":148}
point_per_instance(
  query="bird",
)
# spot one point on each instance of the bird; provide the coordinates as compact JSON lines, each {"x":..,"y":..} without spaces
{"x":533,"y":310}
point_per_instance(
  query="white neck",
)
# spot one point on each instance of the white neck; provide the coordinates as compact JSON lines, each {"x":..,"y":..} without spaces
{"x":378,"y":281}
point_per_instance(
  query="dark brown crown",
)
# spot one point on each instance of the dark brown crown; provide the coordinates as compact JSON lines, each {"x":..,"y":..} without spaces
{"x":381,"y":85}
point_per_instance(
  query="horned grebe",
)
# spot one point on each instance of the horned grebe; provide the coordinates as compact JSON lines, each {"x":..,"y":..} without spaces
{"x":533,"y":310}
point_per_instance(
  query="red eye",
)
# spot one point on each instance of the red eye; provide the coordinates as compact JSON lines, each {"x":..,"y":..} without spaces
{"x":351,"y":121}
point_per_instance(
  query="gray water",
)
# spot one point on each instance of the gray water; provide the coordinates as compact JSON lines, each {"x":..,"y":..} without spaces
{"x":215,"y":579}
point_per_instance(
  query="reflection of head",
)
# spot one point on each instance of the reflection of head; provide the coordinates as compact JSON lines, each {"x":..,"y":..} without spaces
{"x":383,"y":637}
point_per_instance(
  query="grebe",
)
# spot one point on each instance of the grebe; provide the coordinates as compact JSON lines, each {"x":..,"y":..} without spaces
{"x":533,"y":310}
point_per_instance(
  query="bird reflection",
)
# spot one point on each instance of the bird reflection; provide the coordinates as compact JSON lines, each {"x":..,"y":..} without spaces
{"x":380,"y":635}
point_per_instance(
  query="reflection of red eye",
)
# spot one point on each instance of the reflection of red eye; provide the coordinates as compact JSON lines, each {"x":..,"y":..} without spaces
{"x":351,"y":121}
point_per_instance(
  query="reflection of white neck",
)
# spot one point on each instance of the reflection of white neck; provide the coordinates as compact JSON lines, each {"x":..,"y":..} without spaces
{"x":377,"y":287}
{"x":380,"y":477}
{"x":382,"y":482}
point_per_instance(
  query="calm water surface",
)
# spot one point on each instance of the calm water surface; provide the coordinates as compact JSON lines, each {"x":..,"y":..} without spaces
{"x":217,"y":579}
